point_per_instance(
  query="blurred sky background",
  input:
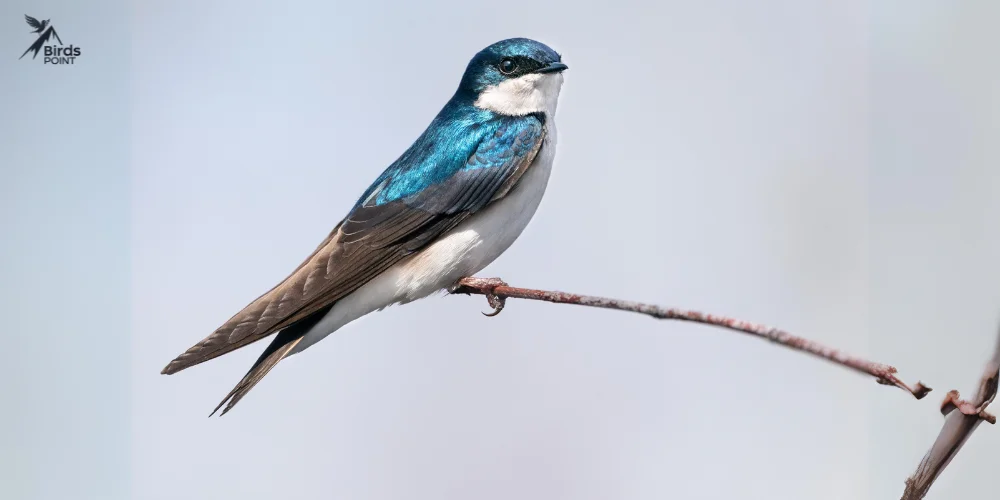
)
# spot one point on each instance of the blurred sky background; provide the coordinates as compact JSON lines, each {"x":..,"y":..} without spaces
{"x":823,"y":166}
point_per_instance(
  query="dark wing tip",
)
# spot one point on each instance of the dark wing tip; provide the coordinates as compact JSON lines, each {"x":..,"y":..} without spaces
{"x":195,"y":355}
{"x":180,"y":362}
{"x":210,"y":347}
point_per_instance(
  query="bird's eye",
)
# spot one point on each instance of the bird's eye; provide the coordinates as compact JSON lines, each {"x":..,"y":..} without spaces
{"x":507,"y":65}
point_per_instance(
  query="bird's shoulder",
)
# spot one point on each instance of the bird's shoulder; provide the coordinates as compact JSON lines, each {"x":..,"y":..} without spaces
{"x":455,"y":141}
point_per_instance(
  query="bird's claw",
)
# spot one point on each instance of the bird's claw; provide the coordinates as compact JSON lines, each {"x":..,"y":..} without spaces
{"x":496,"y":302}
{"x":485,"y":286}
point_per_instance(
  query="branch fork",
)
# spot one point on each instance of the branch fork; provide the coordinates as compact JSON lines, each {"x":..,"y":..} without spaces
{"x":961,"y":416}
{"x":952,"y":401}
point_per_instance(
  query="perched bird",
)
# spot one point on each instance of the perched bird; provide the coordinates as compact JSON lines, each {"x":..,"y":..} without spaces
{"x":447,"y":207}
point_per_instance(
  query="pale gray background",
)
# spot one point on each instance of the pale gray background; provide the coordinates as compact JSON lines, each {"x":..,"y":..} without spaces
{"x":828,"y":167}
{"x":65,"y":256}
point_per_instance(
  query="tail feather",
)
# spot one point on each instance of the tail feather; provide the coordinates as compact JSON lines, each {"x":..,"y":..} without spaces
{"x":279,"y":349}
{"x":267,"y":360}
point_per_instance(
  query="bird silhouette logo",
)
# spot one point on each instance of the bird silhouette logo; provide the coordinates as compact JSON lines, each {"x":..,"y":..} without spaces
{"x":45,"y":32}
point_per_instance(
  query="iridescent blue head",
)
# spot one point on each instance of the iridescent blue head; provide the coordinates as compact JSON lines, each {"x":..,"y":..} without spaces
{"x":514,"y":77}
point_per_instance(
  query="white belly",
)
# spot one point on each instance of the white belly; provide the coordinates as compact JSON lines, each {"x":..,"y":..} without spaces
{"x":463,"y":251}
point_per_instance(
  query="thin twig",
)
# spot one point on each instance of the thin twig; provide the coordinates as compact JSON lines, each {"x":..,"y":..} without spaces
{"x":496,"y":292}
{"x":957,"y":428}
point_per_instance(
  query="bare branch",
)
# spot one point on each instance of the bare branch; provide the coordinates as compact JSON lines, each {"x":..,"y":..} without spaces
{"x":496,"y":292}
{"x":957,"y":428}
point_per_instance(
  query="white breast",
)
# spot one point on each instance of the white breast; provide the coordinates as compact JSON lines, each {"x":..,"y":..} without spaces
{"x":463,"y":251}
{"x":479,"y":240}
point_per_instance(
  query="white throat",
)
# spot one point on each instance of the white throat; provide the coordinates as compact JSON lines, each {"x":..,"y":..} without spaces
{"x":531,"y":93}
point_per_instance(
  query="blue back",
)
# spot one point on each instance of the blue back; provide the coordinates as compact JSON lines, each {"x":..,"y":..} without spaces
{"x":461,"y":139}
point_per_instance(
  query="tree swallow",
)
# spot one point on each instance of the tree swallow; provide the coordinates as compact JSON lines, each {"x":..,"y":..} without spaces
{"x":447,"y":207}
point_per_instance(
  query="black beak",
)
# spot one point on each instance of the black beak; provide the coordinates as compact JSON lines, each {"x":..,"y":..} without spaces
{"x":555,"y":67}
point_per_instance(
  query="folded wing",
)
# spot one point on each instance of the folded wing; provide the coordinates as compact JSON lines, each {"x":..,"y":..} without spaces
{"x":434,"y":186}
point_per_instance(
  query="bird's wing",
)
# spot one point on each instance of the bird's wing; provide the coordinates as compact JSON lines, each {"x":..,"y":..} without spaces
{"x":435,"y":185}
{"x":32,"y":22}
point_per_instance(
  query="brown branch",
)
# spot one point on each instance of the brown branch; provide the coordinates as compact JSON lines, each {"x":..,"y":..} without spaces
{"x":496,"y":292}
{"x":957,"y":428}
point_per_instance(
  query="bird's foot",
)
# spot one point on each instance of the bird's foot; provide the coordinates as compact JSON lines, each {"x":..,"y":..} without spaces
{"x":484,"y":286}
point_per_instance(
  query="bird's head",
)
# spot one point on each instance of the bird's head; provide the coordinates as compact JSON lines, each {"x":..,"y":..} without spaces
{"x":515,"y":77}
